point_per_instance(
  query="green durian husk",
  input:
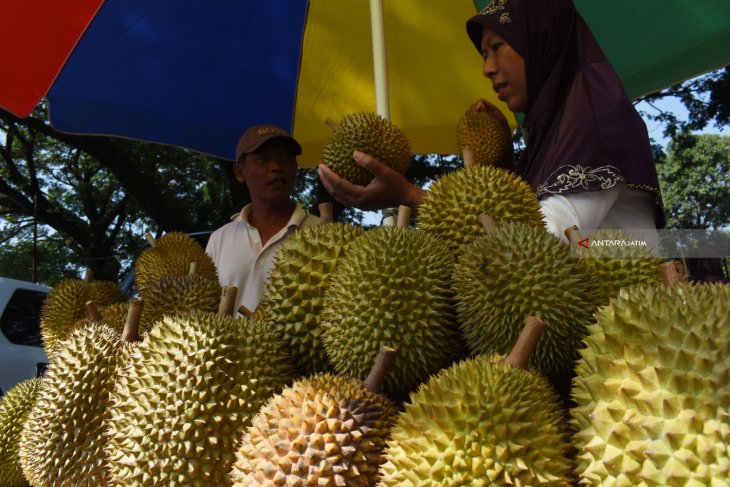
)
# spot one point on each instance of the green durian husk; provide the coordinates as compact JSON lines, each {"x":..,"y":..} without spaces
{"x":295,"y":295}
{"x":186,"y":395}
{"x":65,"y":306}
{"x":480,"y":422}
{"x":392,"y":289}
{"x":486,"y":135}
{"x":63,"y":439}
{"x":15,"y":408}
{"x":520,"y":270}
{"x":323,"y":430}
{"x":172,"y":254}
{"x":177,"y":293}
{"x":369,"y":133}
{"x":454,"y":202}
{"x":653,"y":388}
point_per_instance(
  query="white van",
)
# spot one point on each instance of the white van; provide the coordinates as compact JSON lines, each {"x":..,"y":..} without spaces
{"x":21,"y":350}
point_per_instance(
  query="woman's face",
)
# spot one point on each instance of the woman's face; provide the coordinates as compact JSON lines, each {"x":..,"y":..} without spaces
{"x":506,"y":69}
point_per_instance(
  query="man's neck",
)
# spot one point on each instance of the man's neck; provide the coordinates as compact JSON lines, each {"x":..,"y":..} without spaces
{"x":268,"y":219}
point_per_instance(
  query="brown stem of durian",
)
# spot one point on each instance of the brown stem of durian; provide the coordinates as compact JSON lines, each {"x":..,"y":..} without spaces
{"x":150,"y":239}
{"x":488,"y":222}
{"x":228,"y":301}
{"x":331,"y":124}
{"x":672,"y":272}
{"x":573,"y":235}
{"x":470,"y":156}
{"x":93,"y":311}
{"x":130,"y":333}
{"x":404,"y":216}
{"x":193,"y":269}
{"x":326,"y":212}
{"x":381,"y":366}
{"x":245,"y":311}
{"x":527,"y":341}
{"x":88,"y":275}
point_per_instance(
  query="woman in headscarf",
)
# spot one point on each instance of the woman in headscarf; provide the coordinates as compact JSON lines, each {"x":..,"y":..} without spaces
{"x":588,"y":155}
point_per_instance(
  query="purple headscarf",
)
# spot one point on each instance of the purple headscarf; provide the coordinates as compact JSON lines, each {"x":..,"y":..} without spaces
{"x":583,"y":133}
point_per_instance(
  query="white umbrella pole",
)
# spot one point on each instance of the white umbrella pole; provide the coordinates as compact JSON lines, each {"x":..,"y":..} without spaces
{"x":382,"y":98}
{"x":380,"y":68}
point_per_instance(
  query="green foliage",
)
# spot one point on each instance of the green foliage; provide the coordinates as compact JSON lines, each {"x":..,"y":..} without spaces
{"x":695,"y":181}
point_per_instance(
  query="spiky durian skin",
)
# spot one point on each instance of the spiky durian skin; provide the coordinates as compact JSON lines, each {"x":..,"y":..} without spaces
{"x":172,"y":254}
{"x":61,"y":443}
{"x":616,"y":267}
{"x":175,"y":293}
{"x":520,"y":270}
{"x":324,"y":430}
{"x":369,"y":133}
{"x":186,"y":395}
{"x":65,"y":305}
{"x":653,"y":389}
{"x":392,"y":289}
{"x":453,"y":203}
{"x":15,"y":408}
{"x":293,"y":302}
{"x":480,"y":422}
{"x":486,"y":135}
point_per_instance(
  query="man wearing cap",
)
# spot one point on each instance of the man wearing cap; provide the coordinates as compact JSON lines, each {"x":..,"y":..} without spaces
{"x":244,"y":249}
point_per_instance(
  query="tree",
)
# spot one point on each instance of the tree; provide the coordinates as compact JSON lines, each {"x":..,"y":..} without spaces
{"x":695,"y":181}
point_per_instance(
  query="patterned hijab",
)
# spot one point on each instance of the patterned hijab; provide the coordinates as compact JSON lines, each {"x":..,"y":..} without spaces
{"x":583,"y":133}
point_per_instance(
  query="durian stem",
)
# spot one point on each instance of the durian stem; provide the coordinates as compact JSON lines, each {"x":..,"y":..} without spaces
{"x":228,"y":301}
{"x":672,"y":272}
{"x":93,"y":311}
{"x":193,"y":269}
{"x":527,"y":341}
{"x":573,"y":235}
{"x":331,"y":124}
{"x":326,"y":212}
{"x":404,"y":216}
{"x":470,"y":156}
{"x":150,"y":239}
{"x":130,"y":333}
{"x":377,"y":374}
{"x":487,"y":222}
{"x":245,"y":311}
{"x":88,"y":275}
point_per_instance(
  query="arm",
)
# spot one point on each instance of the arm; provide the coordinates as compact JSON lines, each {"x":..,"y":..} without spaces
{"x":586,"y":210}
{"x":388,"y":188}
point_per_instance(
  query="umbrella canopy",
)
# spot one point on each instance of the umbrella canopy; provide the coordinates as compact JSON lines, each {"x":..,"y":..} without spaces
{"x":196,"y":73}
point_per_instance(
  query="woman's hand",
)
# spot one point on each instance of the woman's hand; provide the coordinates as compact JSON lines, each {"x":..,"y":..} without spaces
{"x":388,"y":188}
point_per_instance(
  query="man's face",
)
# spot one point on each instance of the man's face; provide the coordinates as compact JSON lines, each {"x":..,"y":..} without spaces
{"x":270,"y":172}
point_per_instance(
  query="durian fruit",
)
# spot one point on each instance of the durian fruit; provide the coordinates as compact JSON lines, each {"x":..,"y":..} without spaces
{"x":392,"y":289}
{"x":517,"y":270}
{"x":293,"y":303}
{"x":324,"y":430}
{"x":187,"y":393}
{"x":616,"y":266}
{"x":62,"y":442}
{"x":653,"y":389}
{"x":174,"y":293}
{"x":369,"y":133}
{"x":488,"y":136}
{"x":171,"y":254}
{"x":65,"y":305}
{"x":453,"y":203}
{"x":15,"y":407}
{"x":484,"y":421}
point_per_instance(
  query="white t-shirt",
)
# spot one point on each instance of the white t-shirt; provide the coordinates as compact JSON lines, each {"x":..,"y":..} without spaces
{"x":241,"y":259}
{"x":619,"y":207}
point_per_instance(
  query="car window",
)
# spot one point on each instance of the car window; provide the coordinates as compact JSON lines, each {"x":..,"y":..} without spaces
{"x":20,"y":321}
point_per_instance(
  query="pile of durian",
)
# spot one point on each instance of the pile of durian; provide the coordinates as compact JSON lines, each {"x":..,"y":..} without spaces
{"x":463,"y":347}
